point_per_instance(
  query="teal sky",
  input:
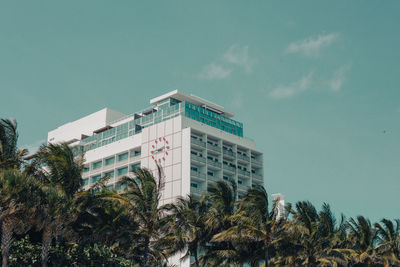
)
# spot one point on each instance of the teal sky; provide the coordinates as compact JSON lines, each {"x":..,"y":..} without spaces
{"x":316,"y":83}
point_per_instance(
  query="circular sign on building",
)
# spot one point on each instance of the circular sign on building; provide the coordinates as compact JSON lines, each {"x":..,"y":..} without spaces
{"x":159,"y":149}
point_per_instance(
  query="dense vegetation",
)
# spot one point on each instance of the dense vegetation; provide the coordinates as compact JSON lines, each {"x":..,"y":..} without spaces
{"x":47,"y":220}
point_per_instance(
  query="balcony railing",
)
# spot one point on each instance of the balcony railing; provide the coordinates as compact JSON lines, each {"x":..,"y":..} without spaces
{"x":229,"y":168}
{"x":214,"y":148}
{"x":228,"y":152}
{"x":198,"y":174}
{"x":257,"y":176}
{"x":199,"y":159}
{"x":256,"y":161}
{"x":213,"y":163}
{"x":243,"y":157}
{"x":213,"y":178}
{"x":198,"y":142}
{"x":196,"y":190}
{"x":242,"y":172}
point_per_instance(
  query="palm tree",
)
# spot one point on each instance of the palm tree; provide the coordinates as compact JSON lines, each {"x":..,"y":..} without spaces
{"x":141,"y":198}
{"x":59,"y":172}
{"x":221,"y":199}
{"x":10,"y":156}
{"x":18,"y":199}
{"x":255,"y":226}
{"x":188,"y":226}
{"x":362,"y":237}
{"x":314,"y":237}
{"x":388,"y":235}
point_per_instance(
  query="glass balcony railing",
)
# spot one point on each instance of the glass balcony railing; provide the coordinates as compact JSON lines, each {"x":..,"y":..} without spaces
{"x":198,"y":174}
{"x":197,"y":158}
{"x":256,"y":161}
{"x":229,"y":168}
{"x":198,"y":142}
{"x":213,"y":163}
{"x":214,"y":148}
{"x":213,"y":178}
{"x":244,"y":173}
{"x":243,"y":157}
{"x":228,"y":153}
{"x":257,"y":176}
{"x":196,"y":190}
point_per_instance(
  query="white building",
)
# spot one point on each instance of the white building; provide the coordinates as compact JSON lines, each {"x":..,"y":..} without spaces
{"x":194,"y":140}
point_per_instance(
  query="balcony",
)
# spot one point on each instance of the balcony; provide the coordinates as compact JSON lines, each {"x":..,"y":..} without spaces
{"x":213,"y":178}
{"x":257,"y":176}
{"x":197,"y":174}
{"x":257,"y":162}
{"x":214,"y":148}
{"x":197,"y":158}
{"x":197,"y":142}
{"x":228,"y":153}
{"x":243,"y":157}
{"x":229,"y":168}
{"x":214,"y":164}
{"x":244,"y":173}
{"x":196,"y":190}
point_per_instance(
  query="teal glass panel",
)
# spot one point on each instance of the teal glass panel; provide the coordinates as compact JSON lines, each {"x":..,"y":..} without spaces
{"x":134,"y":167}
{"x":110,"y":174}
{"x":95,"y":178}
{"x":86,"y":181}
{"x":97,"y":165}
{"x":122,"y":157}
{"x":122,"y":171}
{"x":109,"y":161}
{"x":86,"y":169}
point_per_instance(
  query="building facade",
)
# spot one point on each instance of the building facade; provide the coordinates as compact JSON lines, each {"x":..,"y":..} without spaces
{"x":195,"y":141}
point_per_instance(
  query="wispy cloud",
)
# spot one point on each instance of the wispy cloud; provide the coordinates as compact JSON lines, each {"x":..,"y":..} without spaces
{"x":285,"y":91}
{"x":221,"y":68}
{"x":214,"y":72}
{"x":339,"y":77}
{"x":239,"y":56}
{"x":33,"y":148}
{"x":312,"y":45}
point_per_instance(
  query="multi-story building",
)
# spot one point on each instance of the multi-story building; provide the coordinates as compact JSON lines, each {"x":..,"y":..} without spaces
{"x":195,"y":141}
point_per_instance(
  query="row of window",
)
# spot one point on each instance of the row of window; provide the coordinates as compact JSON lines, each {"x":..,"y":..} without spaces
{"x":120,"y":172}
{"x":111,"y":160}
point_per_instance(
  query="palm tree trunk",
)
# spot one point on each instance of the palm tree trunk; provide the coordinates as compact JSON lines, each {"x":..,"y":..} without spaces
{"x":6,"y":239}
{"x":266,"y":257}
{"x":46,"y":242}
{"x":196,"y":259}
{"x":146,"y":251}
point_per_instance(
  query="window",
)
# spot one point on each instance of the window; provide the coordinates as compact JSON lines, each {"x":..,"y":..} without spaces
{"x":86,"y":169}
{"x":122,"y":157}
{"x":86,"y":181}
{"x":240,"y":181}
{"x":109,"y":161}
{"x":121,"y":186}
{"x":122,"y":171}
{"x":194,"y":169}
{"x":193,"y":185}
{"x":97,"y":165}
{"x":210,"y":173}
{"x":111,"y":174}
{"x":135,"y":167}
{"x":110,"y":187}
{"x":95,"y":178}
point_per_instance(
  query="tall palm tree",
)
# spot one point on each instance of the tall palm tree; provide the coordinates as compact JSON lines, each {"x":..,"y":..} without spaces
{"x":141,"y":198}
{"x":221,"y":199}
{"x":10,"y":155}
{"x":60,"y":174}
{"x":388,"y":235}
{"x":362,"y":238}
{"x":313,"y":237}
{"x":18,"y":200}
{"x":188,"y":226}
{"x":255,"y":226}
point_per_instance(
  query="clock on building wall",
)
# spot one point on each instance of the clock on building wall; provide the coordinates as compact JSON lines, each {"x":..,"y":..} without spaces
{"x":159,"y":149}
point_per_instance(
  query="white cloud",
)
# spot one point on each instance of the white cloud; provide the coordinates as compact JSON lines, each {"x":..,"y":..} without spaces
{"x":32,"y":148}
{"x":338,"y":78}
{"x":237,"y":100}
{"x":239,"y":56}
{"x":311,"y":45}
{"x":214,"y":71}
{"x":235,"y":56}
{"x":292,"y":89}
